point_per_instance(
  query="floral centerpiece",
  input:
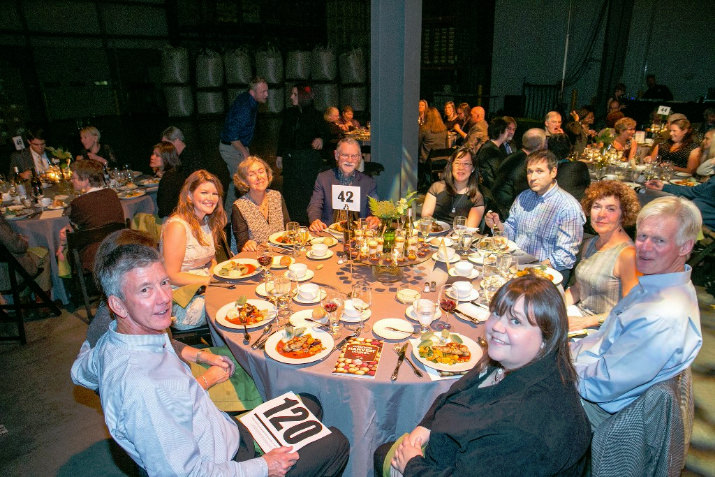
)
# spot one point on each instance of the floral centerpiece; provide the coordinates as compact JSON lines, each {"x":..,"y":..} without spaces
{"x":390,"y":213}
{"x":62,"y":171}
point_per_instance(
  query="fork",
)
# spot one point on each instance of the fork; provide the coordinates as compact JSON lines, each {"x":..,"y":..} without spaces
{"x":409,"y":333}
{"x":417,"y":372}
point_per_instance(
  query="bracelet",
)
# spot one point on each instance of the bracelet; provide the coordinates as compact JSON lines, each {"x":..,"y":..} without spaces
{"x":206,"y":383}
{"x":198,"y":357}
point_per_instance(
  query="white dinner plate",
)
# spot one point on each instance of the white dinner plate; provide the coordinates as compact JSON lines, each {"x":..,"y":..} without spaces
{"x":327,"y":240}
{"x":311,"y":256}
{"x":473,"y":295}
{"x":131,"y":194}
{"x":510,"y":246}
{"x":253,"y":269}
{"x":276,"y":264}
{"x":684,"y":182}
{"x":474,"y":349}
{"x":683,"y":174}
{"x":444,"y":227}
{"x":149,"y":182}
{"x":260,"y":304}
{"x":436,"y":241}
{"x":273,"y":238}
{"x":474,"y":311}
{"x":55,"y":207}
{"x":308,"y":275}
{"x":471,"y":276}
{"x":323,"y":336}
{"x":298,"y":319}
{"x":557,"y":278}
{"x":410,"y":313}
{"x":437,"y":258}
{"x":380,"y":328}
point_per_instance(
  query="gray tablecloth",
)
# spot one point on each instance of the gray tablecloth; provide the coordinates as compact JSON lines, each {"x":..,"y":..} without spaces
{"x":368,"y":411}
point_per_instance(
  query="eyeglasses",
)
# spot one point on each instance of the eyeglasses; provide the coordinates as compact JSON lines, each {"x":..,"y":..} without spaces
{"x":38,"y":144}
{"x":349,"y":156}
{"x":258,"y":173}
{"x":463,"y":165}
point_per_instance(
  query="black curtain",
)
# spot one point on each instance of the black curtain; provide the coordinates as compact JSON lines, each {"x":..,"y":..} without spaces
{"x":615,"y":44}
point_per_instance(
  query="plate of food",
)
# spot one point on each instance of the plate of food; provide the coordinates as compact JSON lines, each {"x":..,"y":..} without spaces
{"x":446,"y":351}
{"x":253,"y":313}
{"x":57,"y":204}
{"x":236,"y":269}
{"x":16,"y":212}
{"x":685,"y":182}
{"x":131,"y":194}
{"x":541,"y":271}
{"x":150,"y":181}
{"x":683,"y":174}
{"x":438,"y":227}
{"x":299,"y":345}
{"x":282,"y":261}
{"x":496,"y":244}
{"x":282,"y":238}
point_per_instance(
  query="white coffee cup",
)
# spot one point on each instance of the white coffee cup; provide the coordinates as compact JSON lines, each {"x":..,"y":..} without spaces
{"x":318,"y":249}
{"x":462,"y":289}
{"x":463,"y":268}
{"x":309,"y":291}
{"x":298,"y":270}
{"x":350,"y":310}
{"x":450,"y":253}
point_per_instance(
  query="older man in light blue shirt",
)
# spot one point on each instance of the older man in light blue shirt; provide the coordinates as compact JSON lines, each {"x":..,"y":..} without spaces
{"x":653,"y":333}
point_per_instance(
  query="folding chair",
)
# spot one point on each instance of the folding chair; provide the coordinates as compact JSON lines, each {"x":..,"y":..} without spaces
{"x":78,"y":241}
{"x":436,"y":161}
{"x":15,"y":269}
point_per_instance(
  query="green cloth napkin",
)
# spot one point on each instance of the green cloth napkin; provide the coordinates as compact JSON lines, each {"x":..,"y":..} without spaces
{"x":238,"y":393}
{"x":183,"y":295}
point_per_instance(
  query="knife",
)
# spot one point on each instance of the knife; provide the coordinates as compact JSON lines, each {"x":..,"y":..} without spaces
{"x":266,"y":330}
{"x":464,"y":316}
{"x":400,"y":359}
{"x":344,"y":340}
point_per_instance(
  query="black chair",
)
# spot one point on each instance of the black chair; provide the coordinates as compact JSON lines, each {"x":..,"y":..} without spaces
{"x":15,"y":269}
{"x":78,"y":241}
{"x":436,"y":161}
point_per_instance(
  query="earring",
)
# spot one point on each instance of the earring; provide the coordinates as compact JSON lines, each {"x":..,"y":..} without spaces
{"x":542,"y":345}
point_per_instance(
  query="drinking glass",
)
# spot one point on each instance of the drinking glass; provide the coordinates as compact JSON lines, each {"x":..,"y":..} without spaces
{"x":426,"y":227}
{"x":465,"y":241}
{"x":504,"y":264}
{"x":424,"y":311}
{"x":292,"y":229}
{"x":331,"y":303}
{"x":362,"y":299}
{"x":458,"y":225}
{"x":277,"y":287}
{"x":448,"y":304}
{"x":265,"y":260}
{"x":303,"y":236}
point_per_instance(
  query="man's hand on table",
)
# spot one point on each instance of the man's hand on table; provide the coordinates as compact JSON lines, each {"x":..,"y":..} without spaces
{"x":655,"y":184}
{"x":372,"y":221}
{"x":280,"y":461}
{"x":577,"y":323}
{"x":317,"y":226}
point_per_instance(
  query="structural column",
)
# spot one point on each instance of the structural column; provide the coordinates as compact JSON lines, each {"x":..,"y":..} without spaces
{"x":396,"y":27}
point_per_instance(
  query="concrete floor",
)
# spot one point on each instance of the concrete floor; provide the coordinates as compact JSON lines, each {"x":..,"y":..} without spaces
{"x":52,"y":427}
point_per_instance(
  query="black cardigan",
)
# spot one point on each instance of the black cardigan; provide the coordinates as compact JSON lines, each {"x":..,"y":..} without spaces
{"x":531,"y":423}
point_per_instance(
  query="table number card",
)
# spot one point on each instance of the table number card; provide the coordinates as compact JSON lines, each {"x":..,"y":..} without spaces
{"x":346,"y":198}
{"x":663,"y":110}
{"x":283,"y":421}
{"x":17,"y":141}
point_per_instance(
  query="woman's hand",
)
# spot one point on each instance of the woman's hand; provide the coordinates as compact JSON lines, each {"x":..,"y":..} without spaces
{"x":250,"y":246}
{"x":213,"y":376}
{"x":317,"y":144}
{"x":419,"y":436}
{"x":406,"y":451}
{"x":280,"y":461}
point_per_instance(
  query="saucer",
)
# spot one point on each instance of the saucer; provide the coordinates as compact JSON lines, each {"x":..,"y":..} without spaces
{"x":437,"y":258}
{"x":357,"y":318}
{"x":410,"y":313}
{"x":308,"y":275}
{"x":298,"y":299}
{"x":310,"y":255}
{"x":472,"y":296}
{"x":471,"y":276}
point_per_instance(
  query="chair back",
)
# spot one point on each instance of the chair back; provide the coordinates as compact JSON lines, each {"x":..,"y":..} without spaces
{"x":648,"y":437}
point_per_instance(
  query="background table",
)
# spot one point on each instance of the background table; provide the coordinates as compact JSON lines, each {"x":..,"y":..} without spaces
{"x":368,"y":411}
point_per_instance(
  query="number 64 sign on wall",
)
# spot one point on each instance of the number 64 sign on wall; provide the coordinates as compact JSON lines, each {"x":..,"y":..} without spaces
{"x":283,"y":421}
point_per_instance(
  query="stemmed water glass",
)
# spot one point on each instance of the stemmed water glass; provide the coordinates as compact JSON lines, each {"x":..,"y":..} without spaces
{"x":424,"y":311}
{"x":459,"y":225}
{"x":292,"y":229}
{"x":361,"y":296}
{"x":277,"y":287}
{"x":331,"y":303}
{"x":426,"y":227}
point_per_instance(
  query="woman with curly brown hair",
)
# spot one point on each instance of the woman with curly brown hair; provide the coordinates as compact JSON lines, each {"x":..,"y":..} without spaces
{"x":606,"y":271}
{"x":189,"y":239}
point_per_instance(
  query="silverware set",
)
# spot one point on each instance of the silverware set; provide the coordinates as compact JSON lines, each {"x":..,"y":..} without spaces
{"x":261,"y":341}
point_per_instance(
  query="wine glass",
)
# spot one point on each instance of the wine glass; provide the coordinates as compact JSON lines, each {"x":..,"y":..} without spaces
{"x":425,"y":227}
{"x":292,"y":229}
{"x":458,"y":225}
{"x":465,"y":241}
{"x":361,"y":295}
{"x":448,"y":301}
{"x":277,"y":287}
{"x":331,"y":303}
{"x":424,"y":311}
{"x":504,"y":264}
{"x":265,"y":260}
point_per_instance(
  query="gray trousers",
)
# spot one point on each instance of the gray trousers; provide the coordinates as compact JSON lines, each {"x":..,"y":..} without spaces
{"x":232,"y":157}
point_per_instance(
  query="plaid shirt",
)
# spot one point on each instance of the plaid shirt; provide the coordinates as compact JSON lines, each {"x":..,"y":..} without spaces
{"x":548,"y":226}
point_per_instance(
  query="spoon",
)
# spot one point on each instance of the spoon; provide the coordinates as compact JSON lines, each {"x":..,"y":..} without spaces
{"x":246,"y":336}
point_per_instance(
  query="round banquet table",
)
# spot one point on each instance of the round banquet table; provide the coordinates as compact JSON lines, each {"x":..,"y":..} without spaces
{"x":369,"y":411}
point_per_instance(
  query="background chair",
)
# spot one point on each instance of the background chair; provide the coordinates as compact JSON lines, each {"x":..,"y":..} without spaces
{"x":16,"y":269}
{"x":648,"y":437}
{"x":78,"y":241}
{"x":436,"y":161}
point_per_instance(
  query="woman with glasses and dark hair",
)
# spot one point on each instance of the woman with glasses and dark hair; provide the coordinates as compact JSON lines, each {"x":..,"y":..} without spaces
{"x":167,"y":165}
{"x":517,"y":412}
{"x":458,"y":193}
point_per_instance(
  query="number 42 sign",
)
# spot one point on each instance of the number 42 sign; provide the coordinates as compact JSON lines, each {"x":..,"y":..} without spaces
{"x":283,"y":421}
{"x":346,"y":198}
